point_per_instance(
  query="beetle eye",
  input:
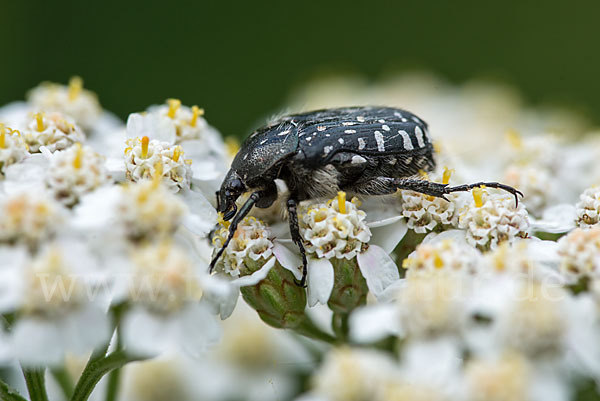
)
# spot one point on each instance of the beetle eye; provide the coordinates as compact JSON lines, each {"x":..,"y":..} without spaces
{"x":237,"y":185}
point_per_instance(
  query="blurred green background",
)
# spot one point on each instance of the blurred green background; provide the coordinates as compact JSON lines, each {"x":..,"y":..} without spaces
{"x":240,"y":60}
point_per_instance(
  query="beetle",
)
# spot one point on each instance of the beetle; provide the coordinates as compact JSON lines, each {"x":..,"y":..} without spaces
{"x":360,"y":150}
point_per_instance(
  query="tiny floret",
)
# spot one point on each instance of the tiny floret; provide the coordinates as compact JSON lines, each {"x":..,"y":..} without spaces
{"x":53,"y":130}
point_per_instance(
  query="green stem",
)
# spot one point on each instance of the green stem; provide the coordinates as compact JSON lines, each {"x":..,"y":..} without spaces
{"x":95,"y":370}
{"x":9,"y":394}
{"x":114,"y":377}
{"x":339,"y":324}
{"x":64,"y":380}
{"x":308,"y":329}
{"x":36,"y":383}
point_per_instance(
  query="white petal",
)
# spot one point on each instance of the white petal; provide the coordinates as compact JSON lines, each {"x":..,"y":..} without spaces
{"x":373,"y":323}
{"x":455,"y":235}
{"x":288,"y":259}
{"x":388,"y":233}
{"x":320,"y":281}
{"x":96,"y":210}
{"x":197,"y":329}
{"x":202,"y":216}
{"x":204,"y":170}
{"x":257,"y":276}
{"x":378,"y":269}
{"x":556,"y":219}
{"x":145,"y":333}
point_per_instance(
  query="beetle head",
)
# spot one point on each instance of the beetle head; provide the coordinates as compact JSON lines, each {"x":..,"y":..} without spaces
{"x":230,"y":191}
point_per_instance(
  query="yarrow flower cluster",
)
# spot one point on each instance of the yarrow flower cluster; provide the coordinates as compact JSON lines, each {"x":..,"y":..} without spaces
{"x":111,"y":249}
{"x":425,"y":213}
{"x":73,"y":100}
{"x":13,"y":148}
{"x":491,"y":219}
{"x":335,"y":230}
{"x":54,"y":131}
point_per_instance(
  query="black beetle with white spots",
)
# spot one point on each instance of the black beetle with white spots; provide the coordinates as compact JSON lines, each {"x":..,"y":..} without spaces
{"x":360,"y":150}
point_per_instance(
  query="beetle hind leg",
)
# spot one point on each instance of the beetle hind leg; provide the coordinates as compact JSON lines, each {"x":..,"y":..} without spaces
{"x":386,"y":186}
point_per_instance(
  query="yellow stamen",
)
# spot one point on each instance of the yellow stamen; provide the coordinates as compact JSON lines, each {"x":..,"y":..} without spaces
{"x":39,"y":118}
{"x":2,"y":136}
{"x":196,"y":112}
{"x":514,"y":139}
{"x":446,"y":175}
{"x":424,"y":175}
{"x":145,"y":142}
{"x":437,"y":260}
{"x":75,"y":87}
{"x":176,"y":154}
{"x":174,"y":104}
{"x":78,"y":156}
{"x":342,"y":202}
{"x":158,"y":174}
{"x":406,"y":263}
{"x":232,"y":146}
{"x":478,"y":196}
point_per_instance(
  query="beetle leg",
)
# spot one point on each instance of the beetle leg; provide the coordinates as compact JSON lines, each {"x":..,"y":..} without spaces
{"x":497,"y":185}
{"x":386,"y":186}
{"x":295,"y":231}
{"x":244,"y":210}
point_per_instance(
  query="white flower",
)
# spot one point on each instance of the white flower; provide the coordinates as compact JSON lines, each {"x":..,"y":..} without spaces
{"x":166,"y":288}
{"x":145,"y":158}
{"x":188,"y":121}
{"x":426,"y":306}
{"x":251,"y":242}
{"x":579,"y":253}
{"x":448,"y":255}
{"x":338,"y":229}
{"x":492,"y":219}
{"x":352,"y":375}
{"x":145,"y":210}
{"x":13,"y":148}
{"x":52,"y":298}
{"x":535,"y":183}
{"x":29,"y":217}
{"x":53,"y":130}
{"x":74,"y":101}
{"x":588,"y":207}
{"x":424,"y":212}
{"x":75,"y":172}
{"x":499,"y":379}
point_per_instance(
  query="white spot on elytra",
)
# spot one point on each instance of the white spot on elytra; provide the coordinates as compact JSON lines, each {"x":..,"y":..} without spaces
{"x":406,"y":139}
{"x":360,"y":119}
{"x":408,"y":160}
{"x":264,"y":141}
{"x":327,"y":149}
{"x":245,"y":156}
{"x":327,"y":135}
{"x":282,"y":151}
{"x":419,"y":135}
{"x":404,"y":120}
{"x":287,"y":131}
{"x":415,"y":119}
{"x":341,"y":141}
{"x":361,"y":143}
{"x":358,"y":159}
{"x":308,"y":138}
{"x":380,"y":141}
{"x":381,"y":121}
{"x":398,"y":114}
{"x":321,"y":128}
{"x":350,"y":131}
{"x":348,"y":123}
{"x":385,"y":127}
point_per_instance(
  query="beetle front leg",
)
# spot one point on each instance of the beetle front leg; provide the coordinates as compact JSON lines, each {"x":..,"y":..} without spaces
{"x":292,"y":208}
{"x":243,"y":212}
